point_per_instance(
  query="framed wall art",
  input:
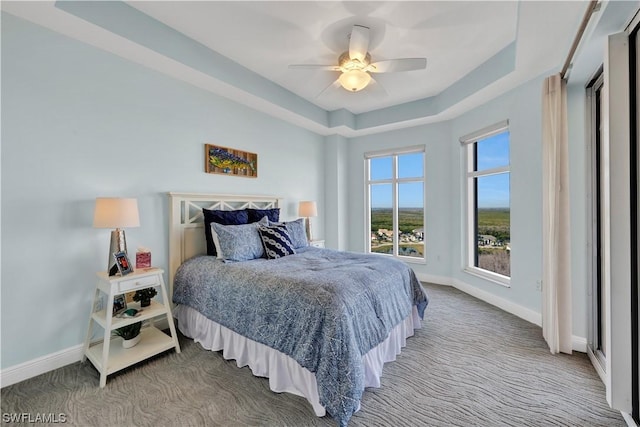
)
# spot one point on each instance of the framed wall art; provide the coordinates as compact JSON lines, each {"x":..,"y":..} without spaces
{"x":228,"y":161}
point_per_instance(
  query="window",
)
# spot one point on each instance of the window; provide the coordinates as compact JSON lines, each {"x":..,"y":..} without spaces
{"x":395,"y":200}
{"x":488,"y":202}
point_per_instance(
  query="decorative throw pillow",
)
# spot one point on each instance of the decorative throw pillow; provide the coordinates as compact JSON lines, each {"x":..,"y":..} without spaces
{"x":276,"y":241}
{"x":257,"y":214}
{"x":238,"y":242}
{"x":221,"y":217}
{"x":296,"y":231}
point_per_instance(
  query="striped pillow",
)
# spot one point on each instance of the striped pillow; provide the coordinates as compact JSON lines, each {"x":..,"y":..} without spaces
{"x":276,"y":241}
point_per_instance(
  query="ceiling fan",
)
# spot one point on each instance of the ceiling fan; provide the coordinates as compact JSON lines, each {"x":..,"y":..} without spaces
{"x":355,"y":64}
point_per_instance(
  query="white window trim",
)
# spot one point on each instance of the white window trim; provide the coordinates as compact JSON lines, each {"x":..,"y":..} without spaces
{"x":485,"y":132}
{"x":394,"y":194}
{"x":488,"y":275}
{"x":394,"y":152}
{"x":467,"y":142}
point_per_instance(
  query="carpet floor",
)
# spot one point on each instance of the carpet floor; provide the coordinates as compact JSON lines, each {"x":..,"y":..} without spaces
{"x":471,"y":364}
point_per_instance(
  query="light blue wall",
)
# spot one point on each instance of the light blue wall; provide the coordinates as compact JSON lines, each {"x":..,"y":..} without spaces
{"x":444,"y":190}
{"x":522,"y":107}
{"x":336,"y":196}
{"x":78,"y":123}
{"x":444,"y":194}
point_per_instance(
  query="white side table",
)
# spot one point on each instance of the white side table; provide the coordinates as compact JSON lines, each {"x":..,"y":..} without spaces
{"x":317,"y":243}
{"x":108,"y":356}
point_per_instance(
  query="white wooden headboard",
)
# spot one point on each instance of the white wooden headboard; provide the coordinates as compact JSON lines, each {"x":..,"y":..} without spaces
{"x":186,"y":222}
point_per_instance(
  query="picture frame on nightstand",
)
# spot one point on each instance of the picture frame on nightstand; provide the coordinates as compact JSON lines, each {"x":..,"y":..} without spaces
{"x":119,"y":304}
{"x":123,"y":263}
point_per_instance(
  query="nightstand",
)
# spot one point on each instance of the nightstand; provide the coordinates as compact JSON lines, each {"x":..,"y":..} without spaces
{"x":317,"y":243}
{"x":108,"y":355}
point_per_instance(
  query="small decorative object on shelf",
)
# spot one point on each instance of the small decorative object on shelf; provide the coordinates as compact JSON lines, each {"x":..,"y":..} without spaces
{"x":144,"y":296}
{"x":130,"y":312}
{"x":130,"y":334}
{"x":119,"y":304}
{"x":143,"y":258}
{"x":123,"y":263}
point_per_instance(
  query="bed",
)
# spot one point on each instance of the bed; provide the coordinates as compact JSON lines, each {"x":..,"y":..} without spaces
{"x":318,"y":323}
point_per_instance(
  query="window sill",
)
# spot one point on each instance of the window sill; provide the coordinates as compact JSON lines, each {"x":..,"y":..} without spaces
{"x":406,"y":259}
{"x":489,"y":276}
{"x":412,"y":260}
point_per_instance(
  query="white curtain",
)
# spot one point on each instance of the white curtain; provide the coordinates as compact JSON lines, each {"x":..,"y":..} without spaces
{"x":556,"y":257}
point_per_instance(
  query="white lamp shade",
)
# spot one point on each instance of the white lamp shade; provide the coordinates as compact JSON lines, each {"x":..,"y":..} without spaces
{"x":307,"y":209}
{"x":354,"y":80}
{"x":116,"y":213}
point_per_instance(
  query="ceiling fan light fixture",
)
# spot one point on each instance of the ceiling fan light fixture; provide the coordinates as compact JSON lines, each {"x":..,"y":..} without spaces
{"x":354,"y":80}
{"x":355,"y":64}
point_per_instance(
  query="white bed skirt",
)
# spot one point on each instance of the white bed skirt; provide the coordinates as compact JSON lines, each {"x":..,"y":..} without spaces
{"x":284,"y":373}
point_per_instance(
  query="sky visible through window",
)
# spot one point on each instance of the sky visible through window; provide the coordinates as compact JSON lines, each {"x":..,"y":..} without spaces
{"x":409,"y":166}
{"x":493,"y":190}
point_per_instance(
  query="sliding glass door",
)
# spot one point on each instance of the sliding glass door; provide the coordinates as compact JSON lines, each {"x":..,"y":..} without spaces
{"x":597,"y":338}
{"x":635,"y":220}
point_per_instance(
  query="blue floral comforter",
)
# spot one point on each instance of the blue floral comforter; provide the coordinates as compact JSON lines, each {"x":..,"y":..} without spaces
{"x":323,"y":308}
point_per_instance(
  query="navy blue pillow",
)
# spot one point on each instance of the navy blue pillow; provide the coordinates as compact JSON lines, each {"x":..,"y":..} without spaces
{"x":256,"y":215}
{"x":276,"y":241}
{"x":221,"y":217}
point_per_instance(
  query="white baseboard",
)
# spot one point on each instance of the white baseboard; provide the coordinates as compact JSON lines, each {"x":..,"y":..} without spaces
{"x":504,"y":304}
{"x":577,"y":343}
{"x":32,"y":368}
{"x":597,"y":366}
{"x":35,"y":367}
{"x":629,"y":419}
{"x":437,"y":280}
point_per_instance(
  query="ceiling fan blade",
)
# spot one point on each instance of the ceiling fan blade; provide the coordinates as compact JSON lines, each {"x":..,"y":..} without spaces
{"x":375,"y":89}
{"x":359,"y":43}
{"x":396,"y":65}
{"x":334,"y":85}
{"x":314,"y":67}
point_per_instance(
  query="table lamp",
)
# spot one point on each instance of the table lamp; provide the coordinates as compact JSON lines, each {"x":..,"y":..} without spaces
{"x":116,"y":213}
{"x":308,"y":209}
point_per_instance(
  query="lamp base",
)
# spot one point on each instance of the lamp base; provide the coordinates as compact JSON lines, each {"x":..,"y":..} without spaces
{"x":118,"y":244}
{"x":308,"y":229}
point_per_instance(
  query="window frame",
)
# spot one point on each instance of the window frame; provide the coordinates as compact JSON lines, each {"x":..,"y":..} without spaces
{"x":469,"y":154}
{"x":395,"y":182}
